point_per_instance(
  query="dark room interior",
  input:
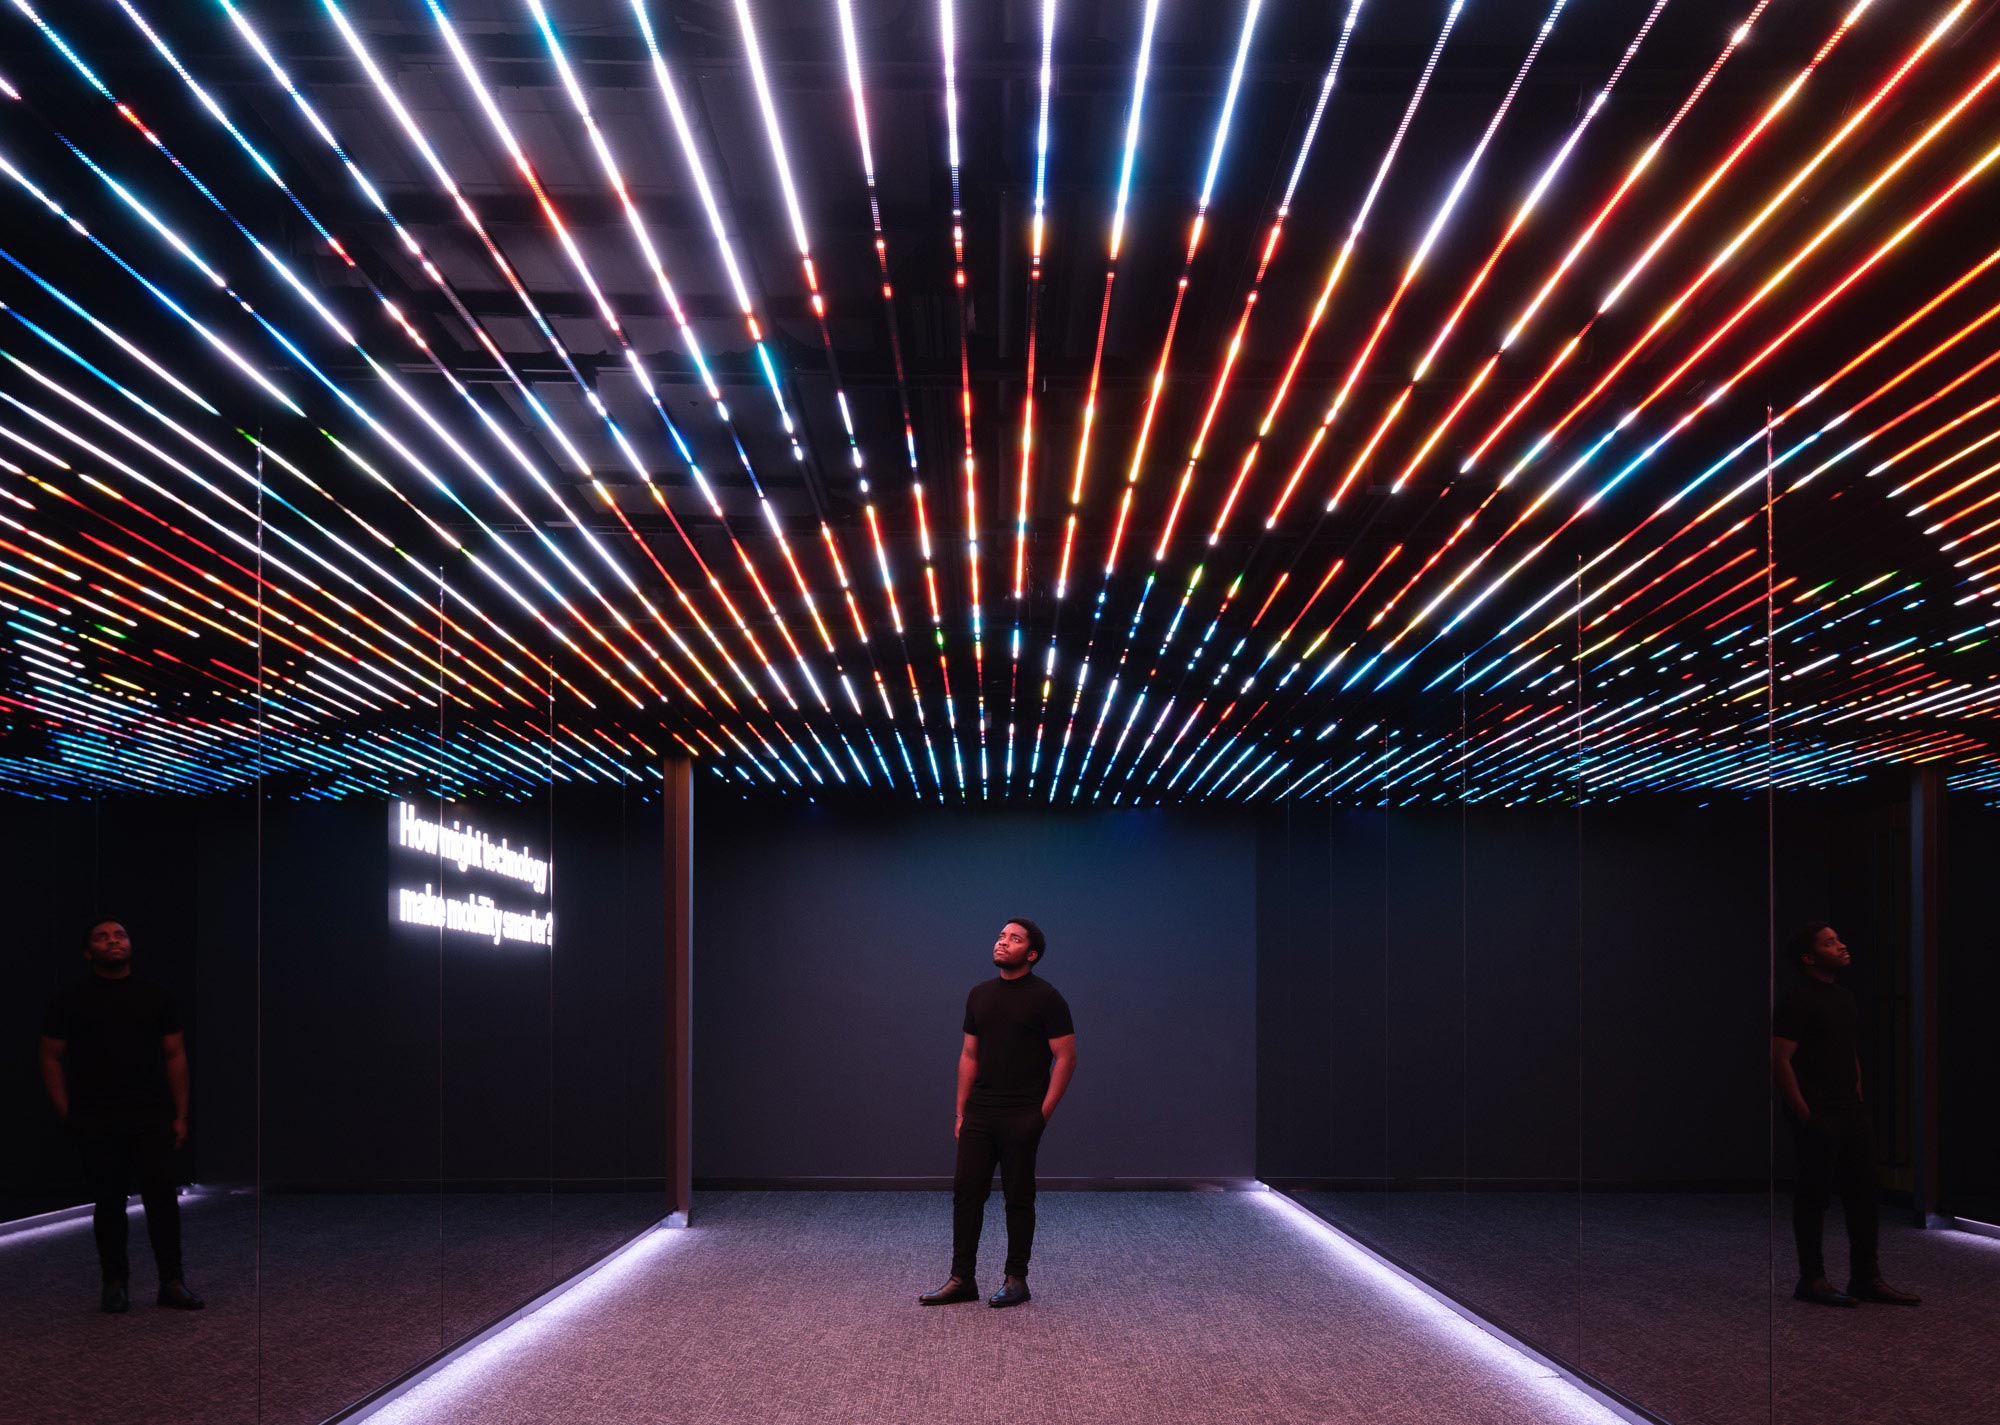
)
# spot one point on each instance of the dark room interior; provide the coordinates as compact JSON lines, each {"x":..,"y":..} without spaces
{"x":1370,"y":627}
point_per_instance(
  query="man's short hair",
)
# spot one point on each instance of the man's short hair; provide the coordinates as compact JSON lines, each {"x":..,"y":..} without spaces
{"x":90,"y":928}
{"x":1037,"y":941}
{"x":1805,"y":938}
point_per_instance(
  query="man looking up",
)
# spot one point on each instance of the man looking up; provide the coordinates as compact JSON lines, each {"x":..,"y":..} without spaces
{"x":1816,"y":1063}
{"x":115,"y":1067}
{"x":1014,"y":1066}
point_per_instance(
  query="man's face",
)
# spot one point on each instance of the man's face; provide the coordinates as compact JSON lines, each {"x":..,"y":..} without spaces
{"x":1010,"y":951}
{"x":1828,"y":952}
{"x":109,"y":947}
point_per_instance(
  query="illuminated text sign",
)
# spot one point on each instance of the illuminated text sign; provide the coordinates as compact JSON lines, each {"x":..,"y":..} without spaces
{"x":478,"y":858}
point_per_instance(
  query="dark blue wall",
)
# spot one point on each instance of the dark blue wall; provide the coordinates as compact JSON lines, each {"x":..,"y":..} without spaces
{"x":833,"y":954}
{"x":1537,"y":996}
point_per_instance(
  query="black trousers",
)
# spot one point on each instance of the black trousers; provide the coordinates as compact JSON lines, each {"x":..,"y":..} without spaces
{"x":118,"y":1152}
{"x":1007,"y":1137}
{"x":1836,"y":1151}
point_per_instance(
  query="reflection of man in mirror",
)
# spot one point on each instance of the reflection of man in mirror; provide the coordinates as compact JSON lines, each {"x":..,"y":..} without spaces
{"x":1016,"y":1062}
{"x":1816,"y":1060}
{"x":116,"y":1070}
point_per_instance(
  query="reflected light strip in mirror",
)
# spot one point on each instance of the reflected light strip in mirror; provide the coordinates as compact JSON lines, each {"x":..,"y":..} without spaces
{"x":1564,"y":1397}
{"x":449,"y":1386}
{"x":68,"y":1219}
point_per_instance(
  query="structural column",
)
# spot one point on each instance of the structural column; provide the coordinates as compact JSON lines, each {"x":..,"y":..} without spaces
{"x":1926,"y":880}
{"x":679,"y":805}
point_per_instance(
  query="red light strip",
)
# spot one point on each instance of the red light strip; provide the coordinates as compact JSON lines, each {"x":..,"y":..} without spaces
{"x":1743,"y":234}
{"x":1415,"y":265}
{"x":1478,"y":282}
{"x":1722,"y":388}
{"x":1354,"y":231}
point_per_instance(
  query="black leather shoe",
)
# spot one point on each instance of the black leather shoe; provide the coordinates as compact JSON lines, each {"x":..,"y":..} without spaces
{"x":1820,"y":1292}
{"x":175,"y":1294}
{"x":1880,"y":1291}
{"x":114,"y":1299}
{"x":1012,"y":1293}
{"x":951,"y":1293}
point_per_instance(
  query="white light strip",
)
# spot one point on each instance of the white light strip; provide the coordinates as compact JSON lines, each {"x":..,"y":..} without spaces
{"x":435,"y":1392}
{"x":65,"y":1219}
{"x":1132,"y":125}
{"x":1562,"y":1395}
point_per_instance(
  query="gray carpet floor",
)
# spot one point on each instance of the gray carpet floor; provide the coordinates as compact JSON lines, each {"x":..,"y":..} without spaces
{"x":354,"y":1291}
{"x":797,"y":1307}
{"x":778,"y":1308}
{"x":1669,"y":1299}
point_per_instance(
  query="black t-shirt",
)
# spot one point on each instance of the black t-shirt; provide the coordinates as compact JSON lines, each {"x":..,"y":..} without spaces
{"x":1015,"y":1020}
{"x":1820,"y":1018}
{"x":114,"y":1062}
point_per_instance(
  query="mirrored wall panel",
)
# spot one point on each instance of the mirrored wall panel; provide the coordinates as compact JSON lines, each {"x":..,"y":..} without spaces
{"x":129,"y":1236}
{"x":1968,"y":1059}
{"x":351,"y":1009}
{"x":497,"y":892}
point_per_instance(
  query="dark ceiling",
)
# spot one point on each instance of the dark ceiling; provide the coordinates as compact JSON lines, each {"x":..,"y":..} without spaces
{"x":467,"y":395}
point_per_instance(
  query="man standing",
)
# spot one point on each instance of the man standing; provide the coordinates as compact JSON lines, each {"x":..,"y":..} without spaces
{"x":115,"y":1066}
{"x":1018,"y":1055}
{"x":1816,"y":1061}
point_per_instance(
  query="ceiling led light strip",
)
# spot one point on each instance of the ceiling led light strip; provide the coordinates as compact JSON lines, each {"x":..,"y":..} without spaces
{"x":817,"y":297}
{"x":1770,"y":285}
{"x":409,"y":456}
{"x":948,"y":39}
{"x":1339,"y":265}
{"x":1410,"y":271}
{"x":650,"y":252}
{"x":1742,"y":236}
{"x":764,"y":359}
{"x":1264,"y":257}
{"x":681,"y":445}
{"x":1542,"y":184}
{"x":613,"y":325}
{"x":1439,"y":220}
{"x":1797,"y":449}
{"x":1134,"y":109}
{"x":126,"y":112}
{"x":1217,"y":145}
{"x":133,"y":594}
{"x":228,"y":353}
{"x":1720,"y":390}
{"x":433,"y":573}
{"x":533,"y":403}
{"x":1751,"y":442}
{"x":1130,"y":156}
{"x":253,"y":601}
{"x":388,"y":96}
{"x":1355,"y":229}
{"x":1639,"y":166}
{"x":1035,"y":235}
{"x":247,"y":513}
{"x":266,"y":168}
{"x":853,"y":56}
{"x":389,"y":380}
{"x":337,"y":570}
{"x":1335,"y":273}
{"x":1234,"y":348}
{"x":1195,"y":231}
